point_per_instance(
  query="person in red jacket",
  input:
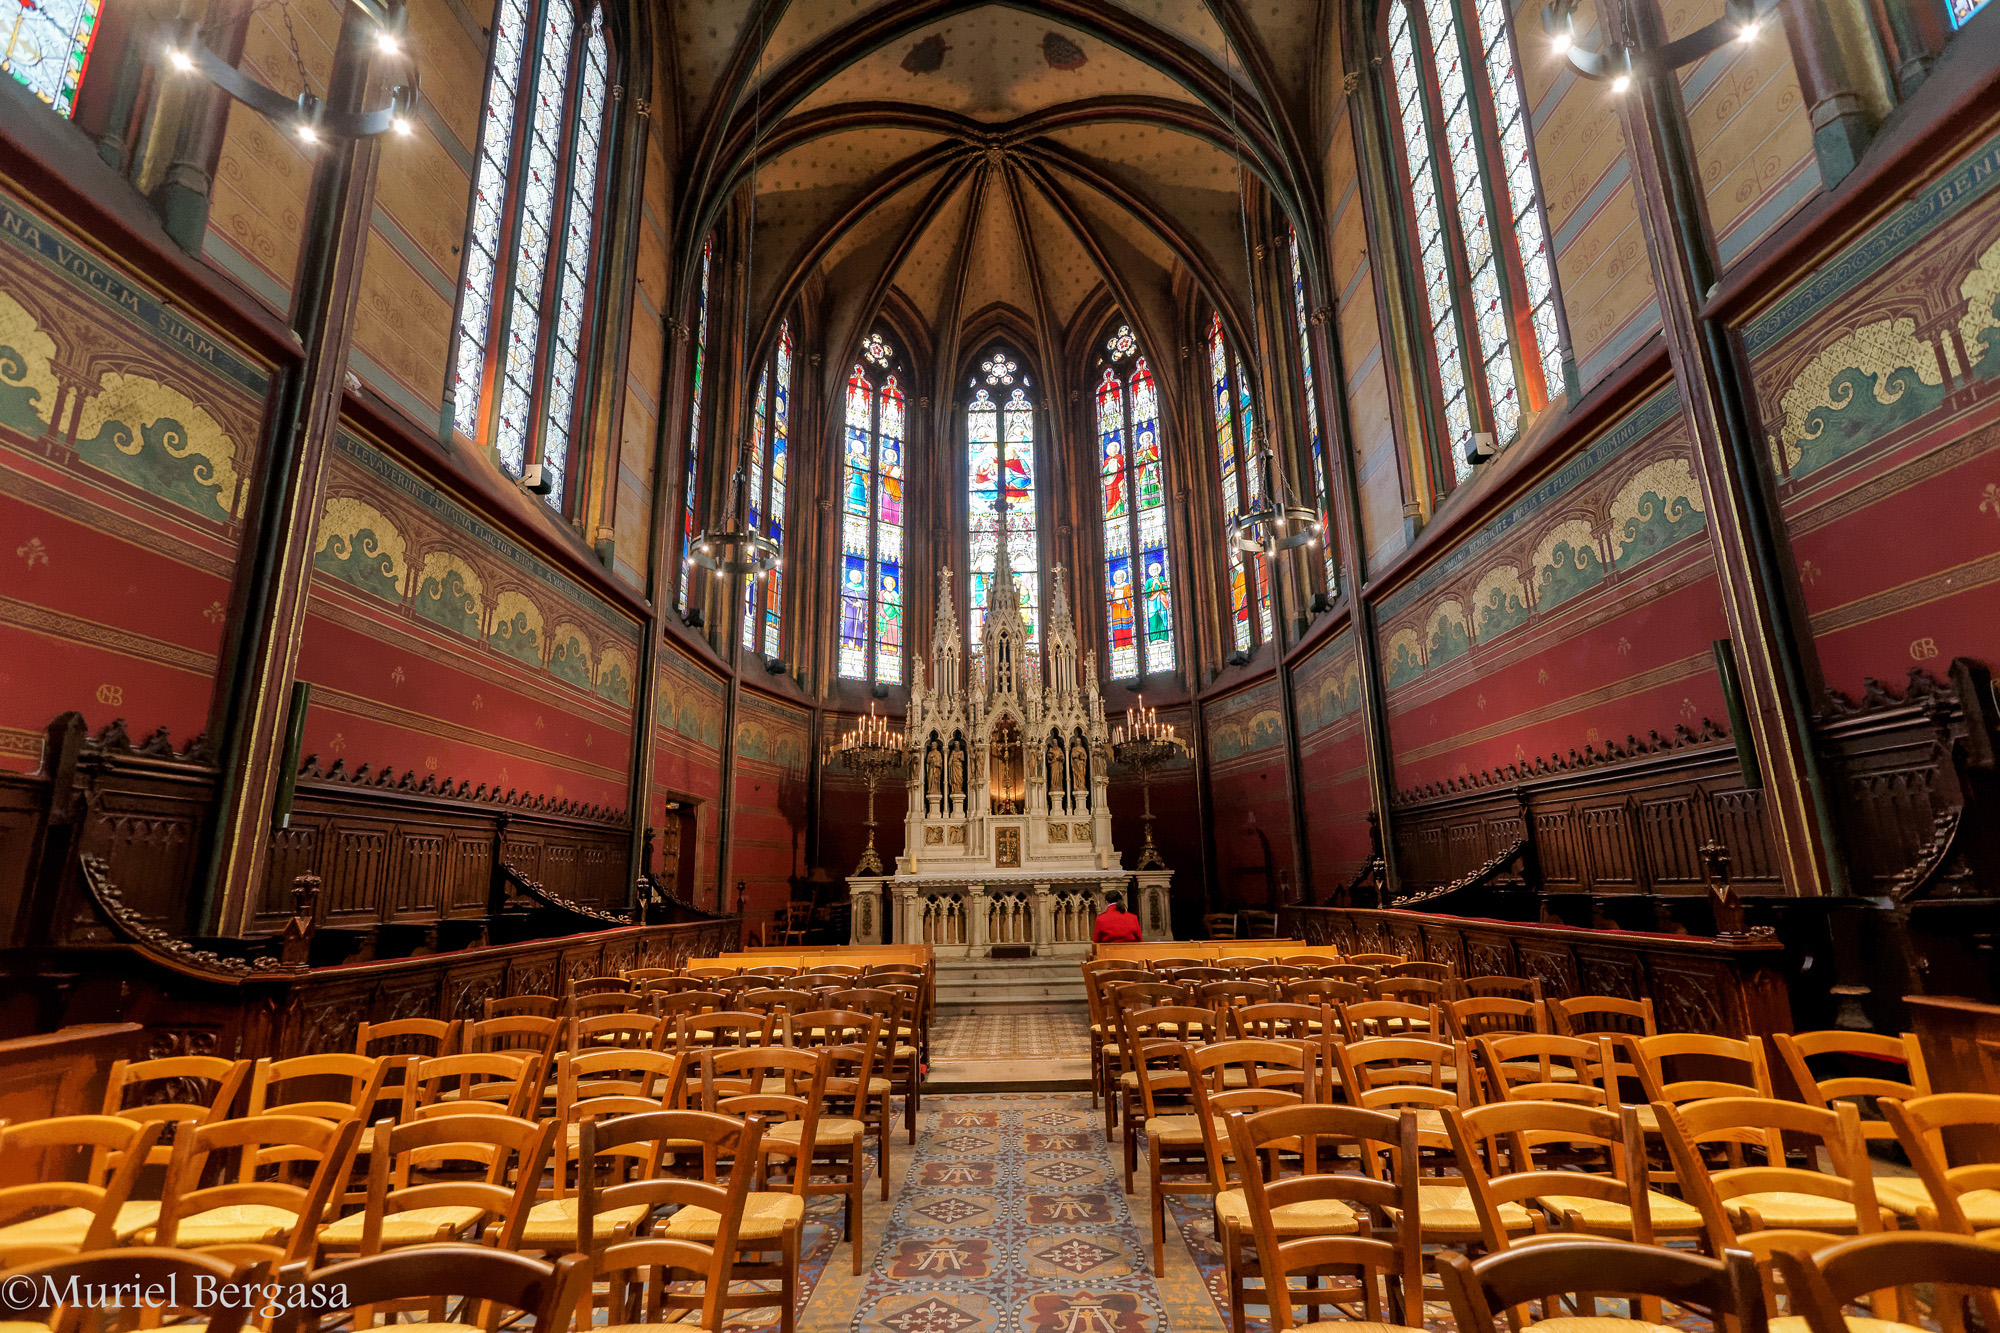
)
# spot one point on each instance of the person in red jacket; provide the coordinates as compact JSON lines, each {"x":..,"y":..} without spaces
{"x":1115,"y":925}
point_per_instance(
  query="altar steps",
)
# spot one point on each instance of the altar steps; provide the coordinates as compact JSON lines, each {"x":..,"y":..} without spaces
{"x":1009,"y":986}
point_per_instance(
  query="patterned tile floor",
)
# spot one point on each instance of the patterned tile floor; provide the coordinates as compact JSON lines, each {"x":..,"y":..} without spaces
{"x":1008,"y":1217}
{"x":1054,"y":1036}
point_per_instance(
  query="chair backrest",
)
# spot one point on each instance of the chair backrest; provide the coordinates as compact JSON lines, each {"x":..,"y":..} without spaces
{"x":850,"y":1041}
{"x":1484,"y":1015}
{"x":513,"y":1032}
{"x":1511,"y":988}
{"x":407,"y":1036}
{"x":1726,"y":1290}
{"x":1257,"y":1139}
{"x":618,"y":985}
{"x":1199,"y":974}
{"x":1765,"y":1123}
{"x":547,"y":1293}
{"x":595,"y":1005}
{"x":724,"y":1027}
{"x":1413,"y":990}
{"x":1497,"y":1159}
{"x":1244,"y":1077}
{"x":1315,"y":990}
{"x":355,"y":1080}
{"x":640,"y":1141}
{"x":1165,"y":964}
{"x":1274,"y":972}
{"x":639,"y":976}
{"x":634,"y":1031}
{"x":1219,"y":925}
{"x":1390,"y":1018}
{"x":1823,"y":1283}
{"x":776,"y":1000}
{"x":1390,"y":1073}
{"x":1523,"y":1066}
{"x":1150,"y":1042}
{"x":506,"y":1081}
{"x":259,"y":1141}
{"x":1712,"y":1066}
{"x":670,"y":1007}
{"x":1422,"y":970}
{"x":114,"y":1151}
{"x":1279,"y":1021}
{"x":1124,"y":995}
{"x":777,"y":1083}
{"x":1376,"y":959}
{"x":1221,"y":995}
{"x":187,"y":1089}
{"x":1582,"y":1015}
{"x":1361,"y":974}
{"x":538,"y":1006}
{"x":34,"y":1290}
{"x":1918,"y":1125}
{"x":503,"y":1148}
{"x":1886,"y":1053}
{"x":771,"y":970}
{"x":709,"y":971}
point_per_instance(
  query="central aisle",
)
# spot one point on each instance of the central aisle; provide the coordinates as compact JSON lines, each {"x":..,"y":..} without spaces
{"x":1008,"y":1217}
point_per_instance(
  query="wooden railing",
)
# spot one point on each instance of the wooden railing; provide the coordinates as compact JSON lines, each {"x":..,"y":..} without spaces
{"x":1731,"y":987}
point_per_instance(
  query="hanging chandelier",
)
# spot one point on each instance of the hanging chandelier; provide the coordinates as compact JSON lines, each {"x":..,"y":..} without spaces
{"x":306,"y":114}
{"x":1273,"y":520}
{"x":737,"y":547}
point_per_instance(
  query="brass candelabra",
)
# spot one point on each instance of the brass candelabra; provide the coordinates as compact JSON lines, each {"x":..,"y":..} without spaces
{"x":1145,"y":743}
{"x":872,"y":750}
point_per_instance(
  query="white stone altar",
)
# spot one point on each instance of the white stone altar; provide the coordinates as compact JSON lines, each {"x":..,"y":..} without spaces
{"x":1008,"y":832}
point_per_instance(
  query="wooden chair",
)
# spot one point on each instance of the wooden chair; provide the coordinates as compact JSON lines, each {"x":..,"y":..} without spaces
{"x":671,"y":985}
{"x":1964,"y":1198}
{"x":1103,"y":1032}
{"x":776,"y":999}
{"x":735,"y":1083}
{"x":507,"y":1082}
{"x":1771,"y":1205}
{"x":600,"y":1003}
{"x":1882,"y":1058}
{"x":1164,"y":965}
{"x":1493,"y":1015}
{"x":1152,"y":1074}
{"x":1583,"y":1015}
{"x":245,"y":1219}
{"x":1419,"y":970}
{"x":358,"y":1079}
{"x":1312,"y":1224}
{"x":407,"y":1036}
{"x":1376,"y":959}
{"x":1223,"y":996}
{"x":1537,"y":1066}
{"x":777,"y":970}
{"x":1199,"y":974}
{"x":1274,"y":972}
{"x":433,"y":1275}
{"x":1322,"y":990}
{"x":1822,"y":1284}
{"x":709,"y":971}
{"x":1255,"y":924}
{"x":184,"y":1090}
{"x":1312,"y":962}
{"x":1119,"y":997}
{"x":534,"y":1006}
{"x":669,"y":1007}
{"x":797,"y":923}
{"x":872,"y":1107}
{"x":1725,"y":1290}
{"x":849,"y":970}
{"x":1390,"y":1018}
{"x":173,"y":1271}
{"x":1280,"y":1021}
{"x":898,"y":1061}
{"x":586,"y":986}
{"x":489,"y":1151}
{"x":514,"y":1032}
{"x":1656,"y":1059}
{"x":1414,"y":990}
{"x":634,"y":1031}
{"x":1219,"y":925}
{"x":1242,"y":1077}
{"x":724,"y":1027}
{"x":637,"y":1258}
{"x":846,"y":1044}
{"x":57,"y":1215}
{"x":597,"y":1083}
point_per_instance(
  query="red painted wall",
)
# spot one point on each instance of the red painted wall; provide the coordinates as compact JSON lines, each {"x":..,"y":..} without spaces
{"x":773,"y":796}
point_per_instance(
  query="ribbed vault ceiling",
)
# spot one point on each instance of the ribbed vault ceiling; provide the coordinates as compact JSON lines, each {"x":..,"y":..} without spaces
{"x":964,"y":161}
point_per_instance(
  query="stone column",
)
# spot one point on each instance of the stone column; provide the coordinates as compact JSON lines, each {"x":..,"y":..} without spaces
{"x":1153,"y":894}
{"x":977,"y":945}
{"x":909,"y":922}
{"x":864,"y":924}
{"x":1043,"y":930}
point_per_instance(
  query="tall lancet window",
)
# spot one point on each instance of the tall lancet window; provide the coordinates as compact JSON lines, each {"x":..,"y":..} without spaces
{"x":527,"y":300}
{"x":1235,"y":435}
{"x":1489,"y":290}
{"x":871,"y":519}
{"x":1309,"y":397}
{"x":46,"y":45}
{"x":770,"y":445}
{"x":1000,"y":487}
{"x":690,"y":518}
{"x":1138,"y":579}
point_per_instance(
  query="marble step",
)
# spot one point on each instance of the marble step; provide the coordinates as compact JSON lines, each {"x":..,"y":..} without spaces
{"x":998,"y":986}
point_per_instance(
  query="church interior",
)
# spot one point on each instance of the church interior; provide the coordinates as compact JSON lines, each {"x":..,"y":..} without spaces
{"x":1062,"y":666}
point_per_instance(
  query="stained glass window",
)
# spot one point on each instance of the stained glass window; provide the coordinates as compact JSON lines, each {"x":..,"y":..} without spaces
{"x":47,"y":45}
{"x":1138,"y":578}
{"x":1489,"y":292}
{"x":871,"y":518}
{"x":536,"y":194}
{"x":1235,"y":431}
{"x":688,"y":493}
{"x":1315,"y":438}
{"x":1961,"y":10}
{"x":770,"y":448}
{"x":1000,"y":488}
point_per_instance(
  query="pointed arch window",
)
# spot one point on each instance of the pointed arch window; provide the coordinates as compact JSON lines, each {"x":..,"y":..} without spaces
{"x":1309,"y":397}
{"x":1476,"y":223}
{"x":46,"y":45}
{"x":1000,"y":487}
{"x":525,"y":308}
{"x":1235,"y":431}
{"x":689,"y":517}
{"x":871,"y":518}
{"x":1132,"y":491}
{"x":770,"y":458}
